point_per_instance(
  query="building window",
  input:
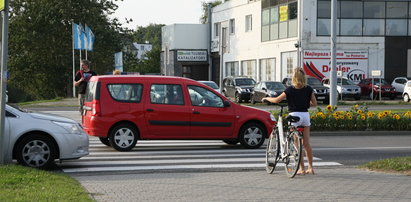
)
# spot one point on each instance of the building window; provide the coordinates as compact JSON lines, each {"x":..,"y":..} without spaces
{"x":231,"y":69}
{"x":217,"y":27}
{"x":267,"y":69}
{"x":288,"y":63}
{"x":365,"y":18}
{"x":232,"y":26}
{"x":248,"y":23}
{"x":186,"y":72}
{"x":397,"y":9}
{"x":280,"y":20}
{"x":248,"y":68}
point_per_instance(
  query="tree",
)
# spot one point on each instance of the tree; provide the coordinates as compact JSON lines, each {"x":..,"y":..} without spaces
{"x":40,"y":43}
{"x":204,"y":17}
{"x":152,"y":35}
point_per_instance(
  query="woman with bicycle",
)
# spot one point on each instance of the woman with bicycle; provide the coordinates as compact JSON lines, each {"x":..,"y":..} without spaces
{"x":300,"y":97}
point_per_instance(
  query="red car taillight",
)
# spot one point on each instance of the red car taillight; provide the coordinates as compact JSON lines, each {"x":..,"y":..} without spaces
{"x":96,"y":108}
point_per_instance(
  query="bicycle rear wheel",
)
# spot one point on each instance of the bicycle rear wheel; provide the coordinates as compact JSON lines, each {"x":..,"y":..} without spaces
{"x":293,"y":150}
{"x":272,"y":151}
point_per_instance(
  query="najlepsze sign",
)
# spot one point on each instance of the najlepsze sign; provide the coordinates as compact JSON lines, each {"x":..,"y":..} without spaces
{"x":2,"y":5}
{"x":353,"y":64}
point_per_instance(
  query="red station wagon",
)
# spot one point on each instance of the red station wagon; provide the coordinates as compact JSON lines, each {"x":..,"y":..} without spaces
{"x":123,"y":109}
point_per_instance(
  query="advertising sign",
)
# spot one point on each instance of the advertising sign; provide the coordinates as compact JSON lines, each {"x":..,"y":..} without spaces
{"x":283,"y":13}
{"x":352,"y":64}
{"x":192,"y":56}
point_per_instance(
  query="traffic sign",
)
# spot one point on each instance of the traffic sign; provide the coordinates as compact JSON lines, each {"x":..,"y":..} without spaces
{"x":2,"y":5}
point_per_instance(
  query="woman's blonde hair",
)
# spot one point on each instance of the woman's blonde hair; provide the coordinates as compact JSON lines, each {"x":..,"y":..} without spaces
{"x":299,"y":80}
{"x":116,"y":72}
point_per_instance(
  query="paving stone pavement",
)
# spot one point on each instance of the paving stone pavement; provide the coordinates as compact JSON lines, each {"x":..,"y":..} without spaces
{"x":329,"y":184}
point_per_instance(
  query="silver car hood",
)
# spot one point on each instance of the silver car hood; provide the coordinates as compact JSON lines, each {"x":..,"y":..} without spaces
{"x":350,"y":86}
{"x":51,"y":117}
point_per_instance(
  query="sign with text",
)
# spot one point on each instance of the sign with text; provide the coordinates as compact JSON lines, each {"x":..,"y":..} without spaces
{"x":283,"y":13}
{"x":352,"y":64}
{"x":192,"y":56}
{"x":2,"y":4}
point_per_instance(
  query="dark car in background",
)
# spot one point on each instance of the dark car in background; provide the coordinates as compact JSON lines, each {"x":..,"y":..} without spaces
{"x":239,"y":88}
{"x":321,"y":92}
{"x":376,"y":86}
{"x":266,"y":89}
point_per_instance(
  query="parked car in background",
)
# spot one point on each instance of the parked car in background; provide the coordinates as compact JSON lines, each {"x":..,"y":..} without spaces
{"x":239,"y":88}
{"x":376,"y":86}
{"x":122,"y":110}
{"x":399,"y":83}
{"x":212,"y":85}
{"x":345,"y":87}
{"x":321,"y":92}
{"x":406,"y":95}
{"x":266,"y":89}
{"x":36,"y":140}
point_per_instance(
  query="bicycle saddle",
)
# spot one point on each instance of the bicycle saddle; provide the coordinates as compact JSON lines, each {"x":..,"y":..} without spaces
{"x":292,"y":118}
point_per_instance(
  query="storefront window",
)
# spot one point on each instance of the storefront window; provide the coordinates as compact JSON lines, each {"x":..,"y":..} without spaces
{"x":374,"y":9}
{"x":374,"y":27}
{"x":248,"y":68}
{"x":397,"y":9}
{"x":351,"y":9}
{"x":396,"y":27}
{"x":351,"y":27}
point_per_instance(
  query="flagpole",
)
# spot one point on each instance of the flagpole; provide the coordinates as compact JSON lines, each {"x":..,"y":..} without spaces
{"x":74,"y":61}
{"x":85,"y":25}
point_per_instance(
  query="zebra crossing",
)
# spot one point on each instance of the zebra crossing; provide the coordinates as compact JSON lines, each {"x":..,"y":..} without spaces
{"x":179,"y":155}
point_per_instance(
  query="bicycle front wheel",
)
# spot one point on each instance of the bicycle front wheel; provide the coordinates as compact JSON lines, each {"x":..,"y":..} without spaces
{"x":294,"y":151}
{"x":272,"y":152}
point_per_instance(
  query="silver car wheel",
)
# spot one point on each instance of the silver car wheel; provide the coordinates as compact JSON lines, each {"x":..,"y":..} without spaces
{"x":253,"y":136}
{"x":36,"y":153}
{"x":124,"y":137}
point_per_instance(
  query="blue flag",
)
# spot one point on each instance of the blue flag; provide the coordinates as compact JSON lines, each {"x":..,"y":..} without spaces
{"x":78,"y":37}
{"x":89,"y":39}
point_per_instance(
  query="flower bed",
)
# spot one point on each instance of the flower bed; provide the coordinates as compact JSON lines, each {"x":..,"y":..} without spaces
{"x":358,"y":118}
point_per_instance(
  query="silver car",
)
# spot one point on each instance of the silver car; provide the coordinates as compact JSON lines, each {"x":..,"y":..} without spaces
{"x":212,"y":85}
{"x":36,"y":139}
{"x":345,"y":87}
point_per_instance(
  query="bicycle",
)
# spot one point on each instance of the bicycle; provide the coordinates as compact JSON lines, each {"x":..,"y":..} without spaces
{"x":285,"y":146}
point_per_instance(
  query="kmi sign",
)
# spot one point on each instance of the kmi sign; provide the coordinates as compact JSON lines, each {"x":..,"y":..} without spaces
{"x":352,"y":64}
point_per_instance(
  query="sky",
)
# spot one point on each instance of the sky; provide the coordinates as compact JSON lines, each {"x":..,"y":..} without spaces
{"x":144,"y":12}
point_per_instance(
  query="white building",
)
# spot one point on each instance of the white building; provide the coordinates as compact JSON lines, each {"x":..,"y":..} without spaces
{"x":266,"y":39}
{"x":141,"y":50}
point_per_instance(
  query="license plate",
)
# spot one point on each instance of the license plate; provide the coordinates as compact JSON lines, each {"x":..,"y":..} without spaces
{"x":320,"y":98}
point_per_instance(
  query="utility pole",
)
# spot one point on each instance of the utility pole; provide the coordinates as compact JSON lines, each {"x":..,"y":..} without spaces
{"x":4,"y":7}
{"x":333,"y":74}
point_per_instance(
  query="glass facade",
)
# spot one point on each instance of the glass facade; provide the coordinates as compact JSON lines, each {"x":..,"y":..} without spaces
{"x":365,"y":18}
{"x":278,"y":19}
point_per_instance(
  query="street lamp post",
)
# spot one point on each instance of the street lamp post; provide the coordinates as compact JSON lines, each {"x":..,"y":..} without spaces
{"x":4,"y":55}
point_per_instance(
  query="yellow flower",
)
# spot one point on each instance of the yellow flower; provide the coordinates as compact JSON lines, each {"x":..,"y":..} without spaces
{"x":342,"y":117}
{"x":363,"y":117}
{"x":370,"y":114}
{"x":349,"y":117}
{"x":328,"y":107}
{"x":359,"y":111}
{"x":396,"y":117}
{"x":356,"y":106}
{"x":313,"y":117}
{"x":348,"y":114}
{"x":323,"y":116}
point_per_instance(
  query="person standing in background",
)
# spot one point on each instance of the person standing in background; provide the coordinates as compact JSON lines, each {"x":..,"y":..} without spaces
{"x":116,"y":72}
{"x":81,"y":79}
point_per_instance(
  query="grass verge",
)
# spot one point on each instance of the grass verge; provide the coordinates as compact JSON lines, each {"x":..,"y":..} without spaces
{"x":18,"y":183}
{"x":40,"y":101}
{"x":401,"y":165}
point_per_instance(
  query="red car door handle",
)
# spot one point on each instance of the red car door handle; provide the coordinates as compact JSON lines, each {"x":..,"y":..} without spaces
{"x":150,"y":110}
{"x":196,"y":112}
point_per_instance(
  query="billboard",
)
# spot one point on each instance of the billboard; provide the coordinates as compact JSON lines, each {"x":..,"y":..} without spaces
{"x":352,"y":63}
